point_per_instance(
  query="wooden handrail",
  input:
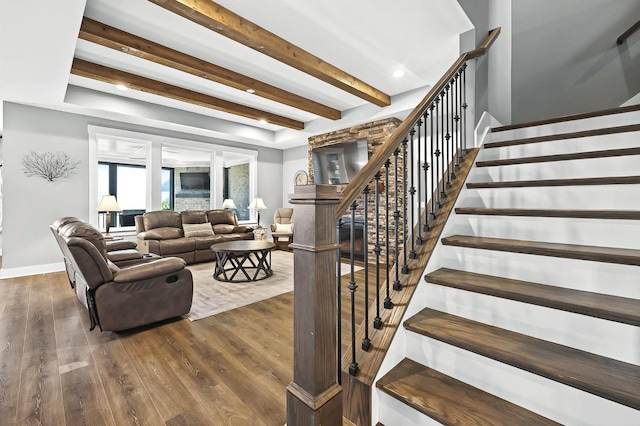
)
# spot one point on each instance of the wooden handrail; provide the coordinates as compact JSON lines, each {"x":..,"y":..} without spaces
{"x":368,"y":172}
{"x":635,"y":27}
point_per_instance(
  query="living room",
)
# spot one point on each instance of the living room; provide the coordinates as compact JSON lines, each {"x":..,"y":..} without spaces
{"x":81,"y":115}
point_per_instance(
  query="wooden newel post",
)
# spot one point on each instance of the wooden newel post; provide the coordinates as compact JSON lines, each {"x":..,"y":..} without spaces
{"x":314,"y":397}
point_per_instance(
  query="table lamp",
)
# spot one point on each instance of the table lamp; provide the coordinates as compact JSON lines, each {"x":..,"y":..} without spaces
{"x":228,"y":204}
{"x":108,"y":204}
{"x":257,"y":204}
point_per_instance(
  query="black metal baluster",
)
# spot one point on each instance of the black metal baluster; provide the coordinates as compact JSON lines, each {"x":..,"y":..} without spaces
{"x":396,"y":216}
{"x":434,"y":194}
{"x":366,"y":342}
{"x":454,"y":155}
{"x":388,"y":304}
{"x":459,"y":115}
{"x":419,"y":239}
{"x":412,"y":194}
{"x":425,"y":169}
{"x":405,"y":228}
{"x":339,"y":301}
{"x":353,"y":367}
{"x":435,"y":141}
{"x":464,"y":105}
{"x":377,"y":321}
{"x":447,"y":138}
{"x":443,"y":147}
{"x":456,"y":119}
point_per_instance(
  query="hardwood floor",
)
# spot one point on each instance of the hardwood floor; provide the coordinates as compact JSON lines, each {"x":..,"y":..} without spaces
{"x":229,"y":369}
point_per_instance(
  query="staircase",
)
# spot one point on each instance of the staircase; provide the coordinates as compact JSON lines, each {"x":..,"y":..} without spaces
{"x":530,"y":308}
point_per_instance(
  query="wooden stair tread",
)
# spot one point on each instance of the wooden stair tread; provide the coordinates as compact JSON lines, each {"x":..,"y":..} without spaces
{"x":582,"y":214}
{"x":613,"y":180}
{"x":565,"y":136}
{"x":561,"y":157}
{"x":608,"y":378}
{"x":565,"y":118}
{"x":613,"y":308}
{"x":450,"y":401}
{"x":571,"y":251}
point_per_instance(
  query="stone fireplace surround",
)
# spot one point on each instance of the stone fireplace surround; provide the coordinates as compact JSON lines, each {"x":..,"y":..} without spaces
{"x":375,"y":133}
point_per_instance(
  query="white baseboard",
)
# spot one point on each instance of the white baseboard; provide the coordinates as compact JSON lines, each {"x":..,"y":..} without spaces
{"x":31,"y":270}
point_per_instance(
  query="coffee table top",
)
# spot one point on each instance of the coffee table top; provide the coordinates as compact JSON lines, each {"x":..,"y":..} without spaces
{"x":242,"y":246}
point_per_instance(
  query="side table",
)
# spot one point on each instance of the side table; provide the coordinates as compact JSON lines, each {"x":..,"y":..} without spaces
{"x":260,"y":234}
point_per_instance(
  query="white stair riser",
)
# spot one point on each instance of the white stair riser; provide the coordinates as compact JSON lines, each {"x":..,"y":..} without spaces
{"x":564,"y":146}
{"x":599,"y":277}
{"x":569,"y":169}
{"x":593,"y":232}
{"x":397,"y":413}
{"x":607,"y":338}
{"x":586,"y":197}
{"x":569,"y":126}
{"x":546,"y":397}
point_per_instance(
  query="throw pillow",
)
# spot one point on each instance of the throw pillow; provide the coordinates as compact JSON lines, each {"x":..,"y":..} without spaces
{"x":284,"y":228}
{"x":197,"y":230}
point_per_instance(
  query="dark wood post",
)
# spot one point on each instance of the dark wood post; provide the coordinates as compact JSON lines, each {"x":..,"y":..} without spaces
{"x":314,"y":397}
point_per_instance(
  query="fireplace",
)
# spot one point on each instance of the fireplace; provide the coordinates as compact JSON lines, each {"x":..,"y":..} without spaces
{"x":345,"y":238}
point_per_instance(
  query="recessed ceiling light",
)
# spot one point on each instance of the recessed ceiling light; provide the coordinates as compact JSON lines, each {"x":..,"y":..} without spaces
{"x":398,"y":73}
{"x":121,"y":87}
{"x":251,"y":91}
{"x":263,"y":121}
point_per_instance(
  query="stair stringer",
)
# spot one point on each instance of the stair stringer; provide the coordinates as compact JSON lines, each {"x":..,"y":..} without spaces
{"x":548,"y":398}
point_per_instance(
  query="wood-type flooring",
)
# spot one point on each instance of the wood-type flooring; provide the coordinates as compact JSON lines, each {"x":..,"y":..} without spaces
{"x":229,"y":369}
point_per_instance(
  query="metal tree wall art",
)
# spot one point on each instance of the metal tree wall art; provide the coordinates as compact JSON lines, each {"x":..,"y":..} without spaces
{"x":49,"y":165}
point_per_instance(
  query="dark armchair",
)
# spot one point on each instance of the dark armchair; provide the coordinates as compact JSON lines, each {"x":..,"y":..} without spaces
{"x":120,"y":298}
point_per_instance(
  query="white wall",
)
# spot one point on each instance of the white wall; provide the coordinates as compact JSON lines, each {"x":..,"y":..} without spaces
{"x":293,"y":159}
{"x":31,"y":204}
{"x":565,"y":57}
{"x":492,"y":77}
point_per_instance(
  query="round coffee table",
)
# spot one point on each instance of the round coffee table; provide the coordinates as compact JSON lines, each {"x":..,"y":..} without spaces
{"x":252,"y":258}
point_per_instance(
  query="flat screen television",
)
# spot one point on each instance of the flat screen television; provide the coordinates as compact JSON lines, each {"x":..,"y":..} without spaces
{"x":339,"y":163}
{"x":194,"y":181}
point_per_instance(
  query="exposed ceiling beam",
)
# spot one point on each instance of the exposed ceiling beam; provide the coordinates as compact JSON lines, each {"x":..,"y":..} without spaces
{"x":110,"y":75}
{"x":223,"y":21}
{"x":122,"y":41}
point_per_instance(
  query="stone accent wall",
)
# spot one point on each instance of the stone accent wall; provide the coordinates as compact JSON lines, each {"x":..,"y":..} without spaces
{"x":239,"y":189}
{"x":375,"y":133}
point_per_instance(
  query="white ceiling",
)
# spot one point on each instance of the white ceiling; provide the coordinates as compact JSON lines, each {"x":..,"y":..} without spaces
{"x":369,"y":39}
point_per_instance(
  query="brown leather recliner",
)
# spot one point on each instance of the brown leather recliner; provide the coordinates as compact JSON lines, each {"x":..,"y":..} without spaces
{"x":120,"y":298}
{"x":122,"y":253}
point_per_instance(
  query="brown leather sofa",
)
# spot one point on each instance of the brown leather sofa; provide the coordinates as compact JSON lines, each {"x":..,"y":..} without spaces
{"x":123,"y":297}
{"x":169,"y":233}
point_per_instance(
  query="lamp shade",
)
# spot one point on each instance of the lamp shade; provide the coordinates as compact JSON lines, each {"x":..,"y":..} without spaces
{"x":257,"y":204}
{"x":228,"y":204}
{"x":108,"y":204}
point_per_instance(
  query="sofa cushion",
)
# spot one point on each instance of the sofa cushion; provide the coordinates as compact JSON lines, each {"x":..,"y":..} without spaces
{"x":193,"y":216}
{"x":197,"y":229}
{"x":162,"y":219}
{"x":241,"y":229}
{"x":175,"y":246}
{"x":204,"y":243}
{"x":162,"y":234}
{"x":223,"y":229}
{"x":223,"y":217}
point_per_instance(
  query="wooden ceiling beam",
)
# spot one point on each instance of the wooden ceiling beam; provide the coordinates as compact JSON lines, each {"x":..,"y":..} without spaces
{"x":223,"y":21}
{"x":122,"y":41}
{"x":94,"y":71}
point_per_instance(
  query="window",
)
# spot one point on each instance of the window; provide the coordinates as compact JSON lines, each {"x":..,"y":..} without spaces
{"x":129,"y":185}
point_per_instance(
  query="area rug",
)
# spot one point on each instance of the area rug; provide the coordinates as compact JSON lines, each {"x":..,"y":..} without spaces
{"x":212,"y":297}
